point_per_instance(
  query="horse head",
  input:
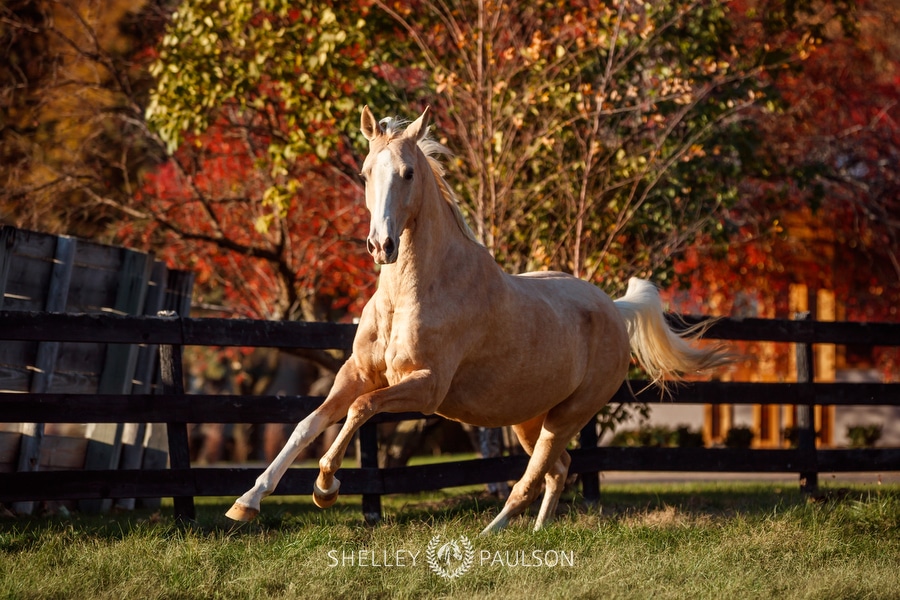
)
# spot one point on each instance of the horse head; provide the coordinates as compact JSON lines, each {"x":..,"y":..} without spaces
{"x":391,"y":181}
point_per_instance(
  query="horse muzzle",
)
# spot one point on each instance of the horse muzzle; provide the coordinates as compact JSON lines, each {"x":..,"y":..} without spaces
{"x":384,"y":252}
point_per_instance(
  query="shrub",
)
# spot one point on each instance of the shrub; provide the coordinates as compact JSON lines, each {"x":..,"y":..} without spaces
{"x":863,"y":436}
{"x":659,"y":436}
{"x":739,"y":437}
{"x":792,"y":436}
{"x":687,"y":438}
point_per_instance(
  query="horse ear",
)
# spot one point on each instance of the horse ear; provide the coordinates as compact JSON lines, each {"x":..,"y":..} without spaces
{"x":419,"y":127}
{"x":369,"y":126}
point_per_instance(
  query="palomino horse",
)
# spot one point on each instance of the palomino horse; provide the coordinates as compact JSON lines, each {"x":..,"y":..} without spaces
{"x":449,"y":333}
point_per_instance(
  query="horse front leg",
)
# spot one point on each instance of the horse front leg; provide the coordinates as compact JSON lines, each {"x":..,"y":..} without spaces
{"x":416,"y":393}
{"x":348,"y":386}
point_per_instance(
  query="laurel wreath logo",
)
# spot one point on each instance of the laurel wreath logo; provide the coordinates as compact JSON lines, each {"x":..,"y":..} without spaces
{"x":450,"y":559}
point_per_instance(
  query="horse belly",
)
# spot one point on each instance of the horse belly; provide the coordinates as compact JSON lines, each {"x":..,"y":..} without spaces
{"x":481,"y":395}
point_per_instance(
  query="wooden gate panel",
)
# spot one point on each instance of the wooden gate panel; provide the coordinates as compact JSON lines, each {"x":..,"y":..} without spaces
{"x":57,"y":274}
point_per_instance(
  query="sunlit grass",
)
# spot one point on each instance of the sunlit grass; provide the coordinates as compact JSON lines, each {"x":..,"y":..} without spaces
{"x":688,"y":540}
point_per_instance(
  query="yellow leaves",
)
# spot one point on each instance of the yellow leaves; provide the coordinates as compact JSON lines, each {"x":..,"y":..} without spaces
{"x":277,"y":199}
{"x":214,"y":53}
{"x":263,"y":223}
{"x":498,"y":142}
{"x":535,"y":49}
{"x":677,"y":87}
{"x":777,"y":227}
{"x":684,"y":99}
{"x":807,"y":45}
{"x":327,"y":17}
{"x":710,"y":65}
{"x":445,"y":82}
{"x":694,"y":151}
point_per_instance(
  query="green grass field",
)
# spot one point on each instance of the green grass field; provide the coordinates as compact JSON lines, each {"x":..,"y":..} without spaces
{"x":689,"y":540}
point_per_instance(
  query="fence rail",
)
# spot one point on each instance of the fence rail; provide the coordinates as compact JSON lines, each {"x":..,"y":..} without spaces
{"x":122,"y":329}
{"x":215,"y":408}
{"x":217,"y":481}
{"x":177,"y":409}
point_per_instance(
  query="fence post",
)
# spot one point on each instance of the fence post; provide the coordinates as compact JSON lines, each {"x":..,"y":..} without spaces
{"x":368,"y":458}
{"x":806,"y":426}
{"x":172,"y":378}
{"x":590,"y":482}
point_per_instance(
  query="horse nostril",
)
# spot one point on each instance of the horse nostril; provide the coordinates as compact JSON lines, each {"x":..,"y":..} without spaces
{"x":370,"y":246}
{"x":389,"y":247}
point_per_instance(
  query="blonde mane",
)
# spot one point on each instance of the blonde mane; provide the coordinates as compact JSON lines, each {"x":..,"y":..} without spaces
{"x":432,"y":149}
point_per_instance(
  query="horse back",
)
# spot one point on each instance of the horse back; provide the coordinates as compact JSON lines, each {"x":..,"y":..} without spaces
{"x":542,"y":337}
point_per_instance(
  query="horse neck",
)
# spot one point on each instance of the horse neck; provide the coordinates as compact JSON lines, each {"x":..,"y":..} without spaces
{"x":430,"y":245}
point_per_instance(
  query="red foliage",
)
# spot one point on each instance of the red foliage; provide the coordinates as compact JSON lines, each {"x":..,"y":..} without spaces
{"x":827,"y":217}
{"x":204,"y":205}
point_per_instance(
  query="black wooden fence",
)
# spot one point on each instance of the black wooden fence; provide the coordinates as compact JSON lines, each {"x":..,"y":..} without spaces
{"x":171,"y":406}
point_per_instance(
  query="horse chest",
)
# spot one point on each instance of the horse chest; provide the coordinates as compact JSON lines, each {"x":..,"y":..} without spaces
{"x":396,"y":348}
{"x":409,"y":327}
{"x":396,"y":362}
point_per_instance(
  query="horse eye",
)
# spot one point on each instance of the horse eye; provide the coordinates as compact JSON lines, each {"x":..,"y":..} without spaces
{"x":408,"y":174}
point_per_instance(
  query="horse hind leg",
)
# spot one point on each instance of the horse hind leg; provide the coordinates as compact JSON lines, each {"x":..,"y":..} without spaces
{"x":554,"y":484}
{"x":547,"y":470}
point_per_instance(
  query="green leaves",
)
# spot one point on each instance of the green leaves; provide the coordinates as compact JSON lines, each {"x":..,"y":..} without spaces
{"x":597,"y":140}
{"x":286,"y":69}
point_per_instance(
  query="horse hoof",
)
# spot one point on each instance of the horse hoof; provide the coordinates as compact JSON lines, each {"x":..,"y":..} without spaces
{"x":239,"y":512}
{"x":325,"y":498}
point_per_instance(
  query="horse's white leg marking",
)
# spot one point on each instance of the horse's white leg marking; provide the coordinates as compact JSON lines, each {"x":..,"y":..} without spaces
{"x":247,"y":506}
{"x":347,"y":387}
{"x":555,"y":482}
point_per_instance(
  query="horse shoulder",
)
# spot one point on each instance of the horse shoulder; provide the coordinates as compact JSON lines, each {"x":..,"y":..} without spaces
{"x":372,"y":335}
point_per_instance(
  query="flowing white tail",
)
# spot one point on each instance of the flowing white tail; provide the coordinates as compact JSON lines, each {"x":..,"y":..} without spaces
{"x":661,"y":351}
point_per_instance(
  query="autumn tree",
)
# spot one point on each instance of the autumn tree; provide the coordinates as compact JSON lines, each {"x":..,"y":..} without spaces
{"x":79,"y":157}
{"x":829,"y":199}
{"x":824,"y":212}
{"x":595,"y":138}
{"x":73,"y":86}
{"x":258,"y":103}
{"x":591,"y":139}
